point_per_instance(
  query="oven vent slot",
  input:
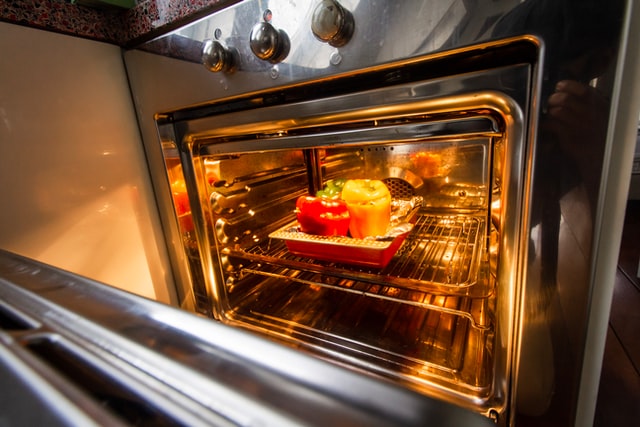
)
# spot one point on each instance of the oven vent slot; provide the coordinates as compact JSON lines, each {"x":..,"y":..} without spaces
{"x":10,"y":320}
{"x":106,"y":389}
{"x":400,"y":188}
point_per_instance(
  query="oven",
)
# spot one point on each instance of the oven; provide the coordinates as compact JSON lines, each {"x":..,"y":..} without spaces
{"x":477,"y":290}
{"x":417,"y":304}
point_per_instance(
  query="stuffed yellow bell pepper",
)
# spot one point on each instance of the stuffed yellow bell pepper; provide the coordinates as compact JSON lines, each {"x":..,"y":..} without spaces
{"x":369,"y":204}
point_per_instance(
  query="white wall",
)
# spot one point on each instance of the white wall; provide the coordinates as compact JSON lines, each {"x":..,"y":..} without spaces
{"x":74,"y":186}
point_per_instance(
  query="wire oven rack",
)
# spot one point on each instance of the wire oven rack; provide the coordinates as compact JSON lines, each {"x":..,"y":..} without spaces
{"x":443,"y":254}
{"x":427,"y":314}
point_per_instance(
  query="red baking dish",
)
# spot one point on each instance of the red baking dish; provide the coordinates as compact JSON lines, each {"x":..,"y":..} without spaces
{"x":363,"y":252}
{"x":369,"y":252}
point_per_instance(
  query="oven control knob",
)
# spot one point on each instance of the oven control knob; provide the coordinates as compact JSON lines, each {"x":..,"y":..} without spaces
{"x":268,"y":43}
{"x":332,"y":23}
{"x":216,"y":57}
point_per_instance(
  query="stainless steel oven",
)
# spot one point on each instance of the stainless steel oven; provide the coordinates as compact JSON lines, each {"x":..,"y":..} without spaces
{"x":481,"y":290}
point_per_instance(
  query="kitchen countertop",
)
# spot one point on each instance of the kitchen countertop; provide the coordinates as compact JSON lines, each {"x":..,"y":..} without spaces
{"x":124,"y":27}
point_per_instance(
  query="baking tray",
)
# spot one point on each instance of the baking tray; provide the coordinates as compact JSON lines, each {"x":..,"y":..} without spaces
{"x":370,"y":252}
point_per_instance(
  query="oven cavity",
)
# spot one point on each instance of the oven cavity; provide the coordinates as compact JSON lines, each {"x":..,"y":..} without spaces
{"x":422,"y":312}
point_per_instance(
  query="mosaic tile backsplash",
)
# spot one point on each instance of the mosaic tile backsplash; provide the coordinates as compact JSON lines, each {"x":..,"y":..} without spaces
{"x":109,"y":24}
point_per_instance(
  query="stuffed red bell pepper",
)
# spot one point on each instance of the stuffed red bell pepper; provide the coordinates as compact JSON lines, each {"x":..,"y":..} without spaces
{"x":322,"y":216}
